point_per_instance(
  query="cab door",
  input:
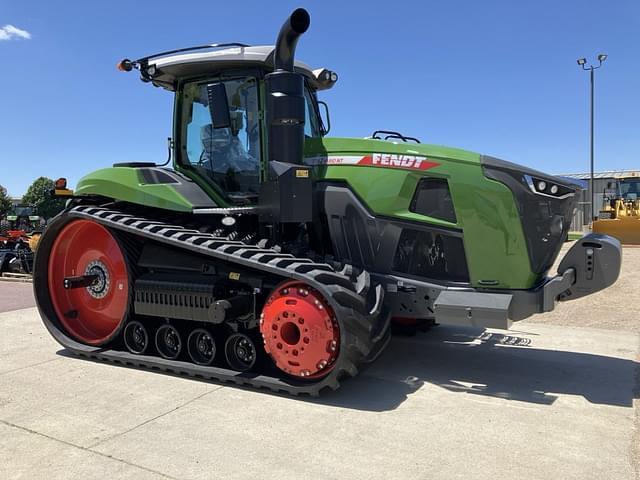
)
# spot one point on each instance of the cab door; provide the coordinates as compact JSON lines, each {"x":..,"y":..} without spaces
{"x":228,"y":159}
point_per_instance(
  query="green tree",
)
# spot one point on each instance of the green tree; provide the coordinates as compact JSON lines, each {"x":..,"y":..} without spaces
{"x":5,"y":201}
{"x":40,"y":195}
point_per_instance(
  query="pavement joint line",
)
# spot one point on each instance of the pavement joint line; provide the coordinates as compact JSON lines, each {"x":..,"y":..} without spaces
{"x":80,"y":447}
{"x":30,"y":366}
{"x":112,"y":437}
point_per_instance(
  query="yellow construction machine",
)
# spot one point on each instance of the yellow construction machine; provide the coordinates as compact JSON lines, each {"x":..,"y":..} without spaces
{"x":620,"y":215}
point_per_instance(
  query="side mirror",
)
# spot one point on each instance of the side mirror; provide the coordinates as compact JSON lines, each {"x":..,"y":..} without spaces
{"x":218,"y":105}
{"x":326,"y":120}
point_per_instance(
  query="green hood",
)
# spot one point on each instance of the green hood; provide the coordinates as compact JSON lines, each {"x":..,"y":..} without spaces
{"x":334,"y":145}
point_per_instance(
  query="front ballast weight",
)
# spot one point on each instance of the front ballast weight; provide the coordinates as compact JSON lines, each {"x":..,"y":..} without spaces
{"x":591,"y":264}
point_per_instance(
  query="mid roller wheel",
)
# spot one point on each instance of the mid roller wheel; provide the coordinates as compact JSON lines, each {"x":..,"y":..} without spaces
{"x":201,"y":347}
{"x":168,"y":342}
{"x":136,"y":337}
{"x":241,"y":352}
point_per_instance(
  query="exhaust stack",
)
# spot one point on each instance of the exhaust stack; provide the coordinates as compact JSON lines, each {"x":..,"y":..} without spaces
{"x":292,"y":28}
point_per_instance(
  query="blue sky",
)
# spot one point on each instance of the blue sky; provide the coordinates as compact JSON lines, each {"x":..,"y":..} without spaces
{"x":497,"y":77}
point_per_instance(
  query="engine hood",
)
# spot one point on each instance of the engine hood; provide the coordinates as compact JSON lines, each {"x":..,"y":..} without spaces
{"x":330,"y":150}
{"x":415,"y":156}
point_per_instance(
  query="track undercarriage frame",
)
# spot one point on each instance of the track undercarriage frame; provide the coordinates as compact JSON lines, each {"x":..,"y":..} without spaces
{"x":359,"y":333}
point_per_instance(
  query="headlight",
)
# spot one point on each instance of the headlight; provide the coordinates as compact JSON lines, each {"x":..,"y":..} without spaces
{"x":546,"y":188}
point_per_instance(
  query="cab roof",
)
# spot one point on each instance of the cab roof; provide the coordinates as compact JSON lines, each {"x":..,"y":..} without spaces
{"x":164,"y":69}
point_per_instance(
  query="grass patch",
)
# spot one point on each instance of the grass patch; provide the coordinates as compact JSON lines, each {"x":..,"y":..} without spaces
{"x":575,"y":236}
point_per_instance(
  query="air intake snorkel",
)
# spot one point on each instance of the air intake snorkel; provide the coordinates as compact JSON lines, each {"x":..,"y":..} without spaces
{"x":285,"y":94}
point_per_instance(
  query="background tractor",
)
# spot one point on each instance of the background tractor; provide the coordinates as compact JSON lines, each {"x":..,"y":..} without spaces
{"x":16,"y":253}
{"x":19,"y":235}
{"x":274,"y":256}
{"x":620,"y":213}
{"x":20,"y":217}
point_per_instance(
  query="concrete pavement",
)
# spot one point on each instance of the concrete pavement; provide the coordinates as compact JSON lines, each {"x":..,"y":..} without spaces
{"x":541,"y":401}
{"x":16,"y":295}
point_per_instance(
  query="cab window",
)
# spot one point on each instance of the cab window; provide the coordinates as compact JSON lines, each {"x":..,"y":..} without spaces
{"x":311,"y":123}
{"x":230,"y":157}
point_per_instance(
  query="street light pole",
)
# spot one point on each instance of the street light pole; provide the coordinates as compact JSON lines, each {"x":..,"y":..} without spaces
{"x":591,"y":68}
{"x":593,"y":190}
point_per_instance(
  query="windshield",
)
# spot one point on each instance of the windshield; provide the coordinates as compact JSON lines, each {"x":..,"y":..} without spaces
{"x":22,"y":211}
{"x":630,"y":189}
{"x":228,"y":156}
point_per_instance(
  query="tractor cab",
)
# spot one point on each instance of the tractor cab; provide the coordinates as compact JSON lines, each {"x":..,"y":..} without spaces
{"x":224,"y":104}
{"x":23,"y":217}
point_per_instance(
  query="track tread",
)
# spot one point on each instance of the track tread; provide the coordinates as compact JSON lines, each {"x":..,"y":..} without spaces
{"x":356,"y":348}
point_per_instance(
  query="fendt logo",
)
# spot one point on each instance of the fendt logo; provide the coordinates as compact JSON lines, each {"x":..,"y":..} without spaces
{"x":385,"y":160}
{"x":402,"y":161}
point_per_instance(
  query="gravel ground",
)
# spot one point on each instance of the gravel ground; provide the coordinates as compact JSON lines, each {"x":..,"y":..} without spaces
{"x":616,"y":308}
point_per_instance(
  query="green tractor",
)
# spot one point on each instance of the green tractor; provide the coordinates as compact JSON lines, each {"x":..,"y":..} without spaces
{"x":273,"y":256}
{"x":20,"y":217}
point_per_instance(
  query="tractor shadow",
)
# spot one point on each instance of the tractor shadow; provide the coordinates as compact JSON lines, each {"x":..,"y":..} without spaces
{"x":472,"y":361}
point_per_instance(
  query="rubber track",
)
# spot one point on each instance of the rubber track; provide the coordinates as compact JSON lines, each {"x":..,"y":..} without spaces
{"x":356,"y":325}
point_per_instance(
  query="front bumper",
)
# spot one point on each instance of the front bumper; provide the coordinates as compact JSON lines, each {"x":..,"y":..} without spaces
{"x":590,"y":265}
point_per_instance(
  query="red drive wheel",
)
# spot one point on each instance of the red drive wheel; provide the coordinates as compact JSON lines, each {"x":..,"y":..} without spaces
{"x":300,"y":331}
{"x":90,"y":314}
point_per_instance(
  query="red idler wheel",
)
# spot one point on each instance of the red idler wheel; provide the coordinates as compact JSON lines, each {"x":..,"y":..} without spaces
{"x":300,"y":331}
{"x":93,"y":314}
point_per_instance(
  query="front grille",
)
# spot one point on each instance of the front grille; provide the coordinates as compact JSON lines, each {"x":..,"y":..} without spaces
{"x":545,"y":217}
{"x":431,"y":255}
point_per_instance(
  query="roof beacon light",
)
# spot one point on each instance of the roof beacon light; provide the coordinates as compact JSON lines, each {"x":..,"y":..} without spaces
{"x":60,"y":188}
